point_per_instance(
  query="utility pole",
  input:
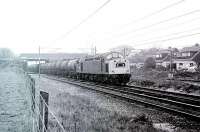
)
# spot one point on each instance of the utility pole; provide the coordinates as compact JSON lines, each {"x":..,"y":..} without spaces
{"x":170,"y":75}
{"x":170,"y":59}
{"x":124,"y":52}
{"x":95,"y":50}
{"x":92,"y":50}
{"x":39,"y":62}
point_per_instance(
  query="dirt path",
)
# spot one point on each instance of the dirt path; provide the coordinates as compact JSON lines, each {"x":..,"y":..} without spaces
{"x":15,"y":102}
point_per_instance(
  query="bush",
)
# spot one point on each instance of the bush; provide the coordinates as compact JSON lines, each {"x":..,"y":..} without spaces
{"x":161,"y":68}
{"x":141,"y":118}
{"x":150,"y":63}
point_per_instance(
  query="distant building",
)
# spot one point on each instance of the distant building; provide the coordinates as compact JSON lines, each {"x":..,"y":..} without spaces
{"x":187,"y":58}
{"x":161,"y":56}
{"x":137,"y":61}
{"x":50,"y":57}
{"x":53,"y":56}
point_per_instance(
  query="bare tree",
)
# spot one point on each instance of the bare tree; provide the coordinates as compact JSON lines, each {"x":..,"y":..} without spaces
{"x":6,"y":53}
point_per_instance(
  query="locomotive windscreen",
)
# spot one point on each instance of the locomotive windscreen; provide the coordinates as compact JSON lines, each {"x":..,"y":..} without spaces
{"x":120,"y":65}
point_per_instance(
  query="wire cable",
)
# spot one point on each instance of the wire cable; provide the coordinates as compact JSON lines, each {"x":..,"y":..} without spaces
{"x":158,"y":11}
{"x":155,"y":12}
{"x":150,"y":14}
{"x":164,"y":28}
{"x":168,"y":39}
{"x":171,"y":34}
{"x":157,"y":23}
{"x":83,"y":21}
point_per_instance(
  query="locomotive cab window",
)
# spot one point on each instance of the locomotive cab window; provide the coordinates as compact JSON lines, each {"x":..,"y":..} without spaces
{"x":120,"y":65}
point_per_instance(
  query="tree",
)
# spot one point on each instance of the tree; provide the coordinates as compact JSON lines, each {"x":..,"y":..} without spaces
{"x":6,"y":53}
{"x":150,"y":63}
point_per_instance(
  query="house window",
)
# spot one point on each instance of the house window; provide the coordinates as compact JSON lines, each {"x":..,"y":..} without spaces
{"x":178,"y":54}
{"x":159,"y":56}
{"x":191,"y":64}
{"x":186,"y":54}
{"x":180,"y":64}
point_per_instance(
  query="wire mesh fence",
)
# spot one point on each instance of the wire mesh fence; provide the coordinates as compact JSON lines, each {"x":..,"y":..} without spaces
{"x":40,"y":108}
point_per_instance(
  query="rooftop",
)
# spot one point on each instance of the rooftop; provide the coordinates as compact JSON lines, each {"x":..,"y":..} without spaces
{"x":195,"y":48}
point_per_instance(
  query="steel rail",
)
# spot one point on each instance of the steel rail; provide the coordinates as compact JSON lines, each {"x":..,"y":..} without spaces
{"x":167,"y":92}
{"x":185,"y":98}
{"x":130,"y":98}
{"x":169,"y":95}
{"x":191,"y":106}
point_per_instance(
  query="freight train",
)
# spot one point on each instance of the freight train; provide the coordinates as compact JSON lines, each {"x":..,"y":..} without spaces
{"x":110,"y":68}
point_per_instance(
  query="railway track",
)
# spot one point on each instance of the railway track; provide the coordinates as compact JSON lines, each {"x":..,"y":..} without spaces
{"x":176,"y":103}
{"x":190,"y":81}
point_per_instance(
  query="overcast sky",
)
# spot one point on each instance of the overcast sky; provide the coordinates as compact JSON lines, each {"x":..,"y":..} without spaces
{"x":26,"y":24}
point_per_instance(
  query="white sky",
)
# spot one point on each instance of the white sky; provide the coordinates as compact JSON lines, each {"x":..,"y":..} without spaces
{"x":26,"y":24}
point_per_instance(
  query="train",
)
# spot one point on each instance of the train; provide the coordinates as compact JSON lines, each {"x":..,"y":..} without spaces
{"x":111,"y":68}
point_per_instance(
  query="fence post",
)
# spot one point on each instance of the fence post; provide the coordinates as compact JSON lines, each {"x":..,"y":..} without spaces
{"x":43,"y":120}
{"x":31,"y":81}
{"x":33,"y":93}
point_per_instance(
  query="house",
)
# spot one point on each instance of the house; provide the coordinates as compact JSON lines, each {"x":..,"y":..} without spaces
{"x":137,"y":61}
{"x":187,"y":58}
{"x":138,"y":58}
{"x":161,"y":56}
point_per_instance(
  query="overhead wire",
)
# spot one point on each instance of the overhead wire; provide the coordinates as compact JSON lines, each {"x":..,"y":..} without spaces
{"x":171,"y":34}
{"x":152,"y":13}
{"x":104,"y":4}
{"x":158,"y":11}
{"x":142,"y":18}
{"x":157,"y":23}
{"x":167,"y":39}
{"x":83,"y":21}
{"x":161,"y":30}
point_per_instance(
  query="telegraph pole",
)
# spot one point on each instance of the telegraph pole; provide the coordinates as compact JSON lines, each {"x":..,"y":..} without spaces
{"x":170,"y":75}
{"x":124,"y":52}
{"x":95,"y":50}
{"x":170,"y":59}
{"x":39,"y":62}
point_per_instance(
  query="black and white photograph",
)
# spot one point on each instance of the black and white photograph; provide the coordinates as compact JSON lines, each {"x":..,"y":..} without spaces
{"x":100,"y":66}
